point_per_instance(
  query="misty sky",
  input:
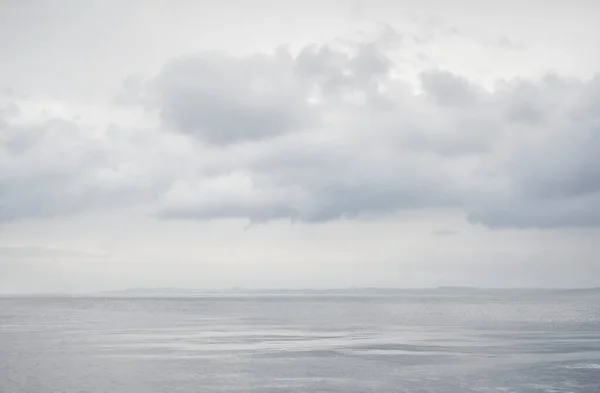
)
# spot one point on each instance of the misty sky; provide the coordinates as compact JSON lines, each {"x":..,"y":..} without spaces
{"x":298,"y":144}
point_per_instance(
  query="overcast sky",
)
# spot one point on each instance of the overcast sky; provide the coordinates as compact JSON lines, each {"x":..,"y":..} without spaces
{"x":290,"y":144}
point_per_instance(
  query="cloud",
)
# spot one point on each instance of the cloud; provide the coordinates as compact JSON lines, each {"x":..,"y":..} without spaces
{"x":519,"y":155}
{"x":54,"y":167}
{"x":329,"y":132}
{"x":223,"y":100}
{"x":448,"y":89}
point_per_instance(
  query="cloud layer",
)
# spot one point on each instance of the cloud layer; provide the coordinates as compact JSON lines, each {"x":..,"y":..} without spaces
{"x":332,"y":131}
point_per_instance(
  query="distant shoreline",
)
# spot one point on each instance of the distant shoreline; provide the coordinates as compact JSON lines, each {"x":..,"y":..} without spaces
{"x":366,"y":291}
{"x":344,"y":290}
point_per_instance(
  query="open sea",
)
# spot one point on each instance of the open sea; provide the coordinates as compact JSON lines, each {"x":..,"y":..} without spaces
{"x":411,"y":342}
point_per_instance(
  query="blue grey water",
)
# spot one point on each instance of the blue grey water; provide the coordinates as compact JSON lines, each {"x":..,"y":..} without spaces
{"x":487,"y":342}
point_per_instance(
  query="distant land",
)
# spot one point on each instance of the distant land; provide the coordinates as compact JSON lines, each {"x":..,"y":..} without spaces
{"x":445,"y":290}
{"x":357,"y":291}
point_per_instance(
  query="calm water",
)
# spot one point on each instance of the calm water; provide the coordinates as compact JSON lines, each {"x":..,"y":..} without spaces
{"x":484,"y":343}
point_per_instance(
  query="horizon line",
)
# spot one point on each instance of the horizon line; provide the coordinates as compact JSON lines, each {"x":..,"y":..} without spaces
{"x":242,"y":290}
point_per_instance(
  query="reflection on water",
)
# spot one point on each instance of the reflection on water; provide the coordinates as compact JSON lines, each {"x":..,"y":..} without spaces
{"x":477,"y":343}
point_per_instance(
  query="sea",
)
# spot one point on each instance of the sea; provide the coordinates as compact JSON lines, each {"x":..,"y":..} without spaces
{"x":419,"y":341}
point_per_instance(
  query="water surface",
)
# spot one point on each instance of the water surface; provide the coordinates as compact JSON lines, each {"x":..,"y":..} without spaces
{"x":525,"y":342}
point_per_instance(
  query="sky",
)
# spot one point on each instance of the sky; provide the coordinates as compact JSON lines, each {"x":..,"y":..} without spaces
{"x":298,"y":144}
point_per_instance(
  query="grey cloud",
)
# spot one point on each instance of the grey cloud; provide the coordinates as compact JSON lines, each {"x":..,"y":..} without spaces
{"x":580,"y":211}
{"x":224,"y":100}
{"x":467,"y":149}
{"x":325,"y":134}
{"x":448,"y":89}
{"x":36,"y":169}
{"x":56,"y":167}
